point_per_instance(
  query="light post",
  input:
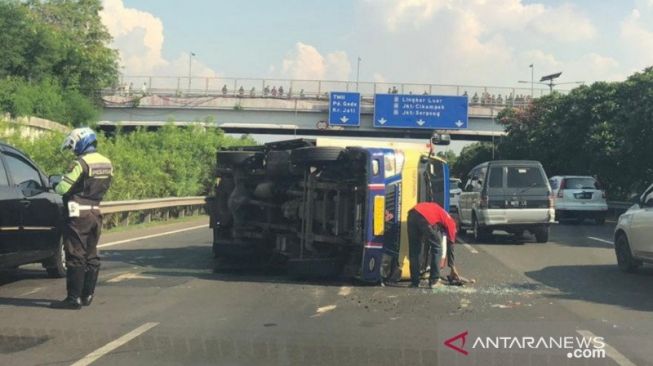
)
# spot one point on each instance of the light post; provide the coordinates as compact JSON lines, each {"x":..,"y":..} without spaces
{"x":358,"y":70}
{"x":550,"y":83}
{"x":532,"y":80}
{"x":190,"y":68}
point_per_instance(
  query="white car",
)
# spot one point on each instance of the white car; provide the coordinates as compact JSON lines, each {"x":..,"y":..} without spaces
{"x":633,"y":238}
{"x":579,"y":197}
{"x":455,"y":189}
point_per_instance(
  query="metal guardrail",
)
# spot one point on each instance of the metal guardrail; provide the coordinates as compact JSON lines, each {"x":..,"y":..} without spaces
{"x":124,"y":213}
{"x":150,"y":204}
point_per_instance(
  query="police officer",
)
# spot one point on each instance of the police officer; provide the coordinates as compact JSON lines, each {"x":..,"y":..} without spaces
{"x":427,"y":222}
{"x":82,"y":187}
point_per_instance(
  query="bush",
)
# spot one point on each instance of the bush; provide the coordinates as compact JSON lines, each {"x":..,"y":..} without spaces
{"x":171,"y":162}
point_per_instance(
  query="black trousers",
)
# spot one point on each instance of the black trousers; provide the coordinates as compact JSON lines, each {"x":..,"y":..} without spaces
{"x":81,"y":235}
{"x":421,"y":235}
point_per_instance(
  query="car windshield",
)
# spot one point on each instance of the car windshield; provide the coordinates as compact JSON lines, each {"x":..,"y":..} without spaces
{"x":581,"y":183}
{"x":525,"y":177}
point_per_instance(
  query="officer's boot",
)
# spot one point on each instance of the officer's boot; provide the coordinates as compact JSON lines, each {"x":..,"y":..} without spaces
{"x":90,"y":279}
{"x":74,"y":283}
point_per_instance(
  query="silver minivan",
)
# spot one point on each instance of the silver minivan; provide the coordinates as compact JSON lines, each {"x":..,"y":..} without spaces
{"x":509,"y":195}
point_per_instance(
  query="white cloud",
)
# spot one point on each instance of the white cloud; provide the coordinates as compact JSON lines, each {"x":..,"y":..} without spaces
{"x":477,"y":41}
{"x":138,"y":36}
{"x":563,"y":23}
{"x":637,"y":35}
{"x":306,"y":62}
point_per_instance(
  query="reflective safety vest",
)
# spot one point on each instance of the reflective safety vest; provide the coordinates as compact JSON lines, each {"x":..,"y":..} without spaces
{"x":88,"y":179}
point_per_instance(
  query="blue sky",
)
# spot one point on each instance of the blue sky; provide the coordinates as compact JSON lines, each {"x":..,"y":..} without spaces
{"x":486,"y":42}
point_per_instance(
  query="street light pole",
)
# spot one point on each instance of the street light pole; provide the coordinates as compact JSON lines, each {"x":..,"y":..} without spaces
{"x":190,"y":67}
{"x":532,"y":81}
{"x":358,"y":70}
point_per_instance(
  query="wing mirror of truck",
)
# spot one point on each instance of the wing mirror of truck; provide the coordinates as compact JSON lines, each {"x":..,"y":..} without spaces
{"x":440,"y":139}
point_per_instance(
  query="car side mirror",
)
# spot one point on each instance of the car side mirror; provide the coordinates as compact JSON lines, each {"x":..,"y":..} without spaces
{"x":54,"y":180}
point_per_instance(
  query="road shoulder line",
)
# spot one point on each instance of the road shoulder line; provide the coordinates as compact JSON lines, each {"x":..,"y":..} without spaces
{"x":152,"y":236}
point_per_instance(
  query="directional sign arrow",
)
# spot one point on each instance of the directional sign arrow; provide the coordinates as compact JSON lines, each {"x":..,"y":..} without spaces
{"x":344,"y":119}
{"x":459,"y":123}
{"x":421,"y":122}
{"x":383,"y":121}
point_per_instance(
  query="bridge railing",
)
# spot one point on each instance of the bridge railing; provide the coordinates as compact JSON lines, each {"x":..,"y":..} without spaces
{"x":315,"y":89}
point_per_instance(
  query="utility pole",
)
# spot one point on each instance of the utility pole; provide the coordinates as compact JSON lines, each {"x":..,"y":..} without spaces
{"x":190,"y":68}
{"x":532,"y":81}
{"x":358,"y":70}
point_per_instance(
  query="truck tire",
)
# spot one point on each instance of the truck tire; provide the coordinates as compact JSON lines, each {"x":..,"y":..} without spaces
{"x":226,"y":159}
{"x":319,"y":154}
{"x":542,"y":234}
{"x":56,"y":265}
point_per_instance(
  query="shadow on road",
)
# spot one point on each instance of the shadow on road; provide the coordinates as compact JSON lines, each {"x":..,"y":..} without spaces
{"x":34,"y":303}
{"x":10,"y":276}
{"x":603,"y":284}
{"x":198,"y":262}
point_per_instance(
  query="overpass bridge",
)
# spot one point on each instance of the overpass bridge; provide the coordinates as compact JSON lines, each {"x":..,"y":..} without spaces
{"x":294,"y":107}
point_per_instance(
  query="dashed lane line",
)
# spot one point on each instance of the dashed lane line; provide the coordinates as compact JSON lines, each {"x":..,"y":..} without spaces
{"x":322,"y":310}
{"x":102,"y":351}
{"x":152,"y":236}
{"x":31,"y":292}
{"x":468,"y":246}
{"x":344,"y":291}
{"x":600,"y":240}
{"x":610,"y":351}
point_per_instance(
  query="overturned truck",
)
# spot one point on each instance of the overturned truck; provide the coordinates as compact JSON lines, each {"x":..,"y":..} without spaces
{"x":321,"y":210}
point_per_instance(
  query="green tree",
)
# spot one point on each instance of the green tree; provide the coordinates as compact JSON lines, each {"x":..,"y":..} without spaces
{"x":55,"y":59}
{"x":470,"y":156}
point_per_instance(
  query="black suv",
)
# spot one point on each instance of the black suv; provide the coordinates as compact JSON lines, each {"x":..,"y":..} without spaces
{"x":31,"y":215}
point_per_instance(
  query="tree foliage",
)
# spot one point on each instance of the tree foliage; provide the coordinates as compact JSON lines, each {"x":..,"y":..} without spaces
{"x":604,"y":130}
{"x":58,"y":48}
{"x":170,"y":162}
{"x":470,"y":156}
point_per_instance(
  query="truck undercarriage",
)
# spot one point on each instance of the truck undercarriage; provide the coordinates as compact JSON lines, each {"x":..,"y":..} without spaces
{"x":294,"y":204}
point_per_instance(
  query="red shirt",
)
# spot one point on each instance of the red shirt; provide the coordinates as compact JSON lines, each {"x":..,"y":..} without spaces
{"x":434,"y":214}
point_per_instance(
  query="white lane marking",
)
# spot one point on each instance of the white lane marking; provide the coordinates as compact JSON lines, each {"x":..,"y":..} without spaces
{"x":601,"y":240}
{"x":344,"y":291}
{"x":30,"y":292}
{"x":467,"y":245}
{"x":152,"y":236}
{"x":470,"y":248}
{"x":612,"y":352}
{"x":321,"y":310}
{"x":130,"y":276}
{"x":95,"y":355}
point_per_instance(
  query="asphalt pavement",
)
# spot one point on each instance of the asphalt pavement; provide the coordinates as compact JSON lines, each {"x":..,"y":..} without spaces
{"x":160,"y":302}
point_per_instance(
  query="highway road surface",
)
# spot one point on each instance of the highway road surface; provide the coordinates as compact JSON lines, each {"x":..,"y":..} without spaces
{"x":160,"y":302}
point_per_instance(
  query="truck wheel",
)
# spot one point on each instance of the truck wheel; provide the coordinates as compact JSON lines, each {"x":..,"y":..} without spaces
{"x":542,"y":234}
{"x":600,"y":220}
{"x":56,"y":265}
{"x":315,"y":154}
{"x":625,"y":259}
{"x":227,"y":159}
